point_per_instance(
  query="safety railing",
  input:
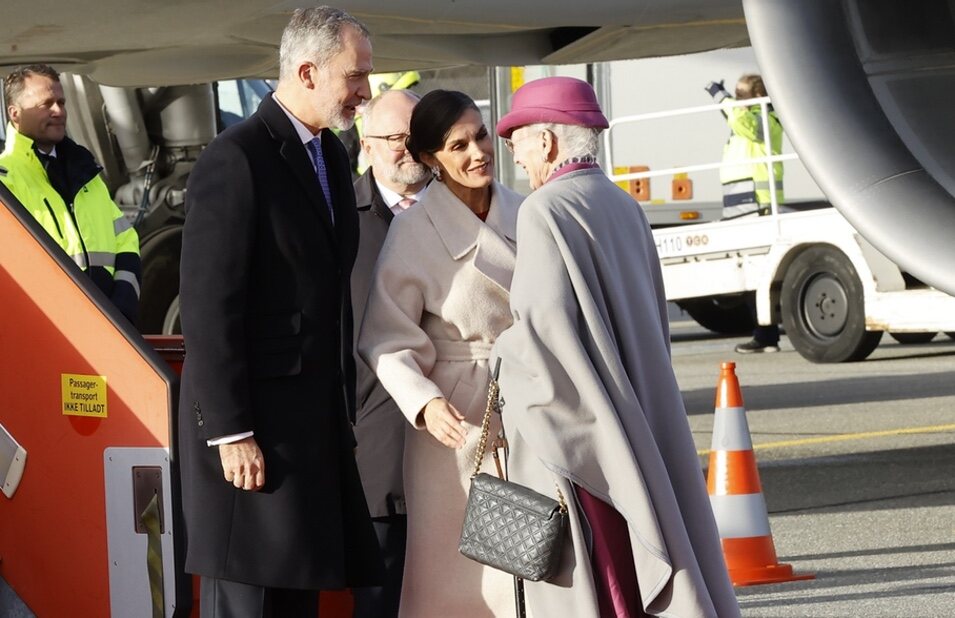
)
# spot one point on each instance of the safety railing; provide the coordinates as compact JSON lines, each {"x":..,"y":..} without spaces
{"x":763,"y":103}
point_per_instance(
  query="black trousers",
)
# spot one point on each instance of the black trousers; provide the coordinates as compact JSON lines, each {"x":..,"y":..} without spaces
{"x":382,"y":601}
{"x":220,"y":598}
{"x":766,"y":335}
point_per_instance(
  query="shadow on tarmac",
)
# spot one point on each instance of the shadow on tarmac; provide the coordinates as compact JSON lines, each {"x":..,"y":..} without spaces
{"x":858,"y":482}
{"x":880,"y":551}
{"x":832,"y":392}
{"x":855,"y":578}
{"x":900,"y":481}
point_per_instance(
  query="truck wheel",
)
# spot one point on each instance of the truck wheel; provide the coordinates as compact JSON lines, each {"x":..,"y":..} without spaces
{"x":823,"y":308}
{"x":724,"y":315}
{"x":159,"y":300}
{"x":912,"y":337}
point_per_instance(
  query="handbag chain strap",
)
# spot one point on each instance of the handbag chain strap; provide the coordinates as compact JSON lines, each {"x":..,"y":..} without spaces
{"x":493,"y":393}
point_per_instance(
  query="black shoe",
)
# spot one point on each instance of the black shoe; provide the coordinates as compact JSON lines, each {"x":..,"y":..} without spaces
{"x":752,"y":346}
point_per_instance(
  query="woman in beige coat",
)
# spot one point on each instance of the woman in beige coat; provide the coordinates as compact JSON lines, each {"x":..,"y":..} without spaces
{"x":438,"y":301}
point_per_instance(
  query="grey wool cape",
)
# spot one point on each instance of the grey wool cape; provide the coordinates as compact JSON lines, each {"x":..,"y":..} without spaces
{"x":590,"y":398}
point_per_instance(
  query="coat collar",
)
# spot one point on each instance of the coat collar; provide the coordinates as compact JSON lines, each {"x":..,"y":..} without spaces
{"x":457,"y":226}
{"x":78,"y":164}
{"x":367,"y":196}
{"x":461,"y":231}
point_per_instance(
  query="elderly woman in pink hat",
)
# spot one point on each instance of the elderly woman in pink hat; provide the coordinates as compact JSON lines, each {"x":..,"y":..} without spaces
{"x":591,"y":402}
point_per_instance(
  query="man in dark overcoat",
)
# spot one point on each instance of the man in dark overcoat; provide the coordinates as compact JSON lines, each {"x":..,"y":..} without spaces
{"x":273,"y":505}
{"x":392,"y":183}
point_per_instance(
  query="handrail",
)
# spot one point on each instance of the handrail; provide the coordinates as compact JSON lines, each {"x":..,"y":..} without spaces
{"x":685,"y":111}
{"x":763,"y":103}
{"x":702,"y":167}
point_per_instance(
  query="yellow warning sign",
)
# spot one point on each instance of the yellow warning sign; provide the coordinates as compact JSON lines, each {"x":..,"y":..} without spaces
{"x":83,"y":395}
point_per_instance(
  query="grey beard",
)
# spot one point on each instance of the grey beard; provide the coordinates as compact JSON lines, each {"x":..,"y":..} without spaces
{"x":338,"y":120}
{"x":410,"y":174}
{"x":341,"y":123}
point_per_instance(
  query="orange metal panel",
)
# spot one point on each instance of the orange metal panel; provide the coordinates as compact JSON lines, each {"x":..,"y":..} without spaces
{"x":53,"y":531}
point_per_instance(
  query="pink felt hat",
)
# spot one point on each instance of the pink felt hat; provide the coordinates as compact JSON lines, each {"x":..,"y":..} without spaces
{"x":561,"y":100}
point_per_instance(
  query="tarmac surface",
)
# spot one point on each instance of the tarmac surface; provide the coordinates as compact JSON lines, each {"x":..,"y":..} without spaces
{"x":857,"y":463}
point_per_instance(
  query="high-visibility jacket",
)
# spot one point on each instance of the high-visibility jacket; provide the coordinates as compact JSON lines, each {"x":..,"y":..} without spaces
{"x":746,"y":186}
{"x":78,"y":214}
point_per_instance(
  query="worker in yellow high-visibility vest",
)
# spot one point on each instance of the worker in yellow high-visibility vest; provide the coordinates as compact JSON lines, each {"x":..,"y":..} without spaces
{"x":746,"y":183}
{"x":59,"y":183}
{"x":746,"y":186}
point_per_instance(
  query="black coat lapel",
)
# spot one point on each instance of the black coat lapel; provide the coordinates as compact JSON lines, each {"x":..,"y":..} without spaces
{"x":337,"y":169}
{"x":343,"y":194}
{"x":368,"y":197}
{"x":297,"y":158}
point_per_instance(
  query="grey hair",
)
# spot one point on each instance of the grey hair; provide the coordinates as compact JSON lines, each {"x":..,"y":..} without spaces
{"x":369,"y":109}
{"x":574,"y":141}
{"x":314,"y":34}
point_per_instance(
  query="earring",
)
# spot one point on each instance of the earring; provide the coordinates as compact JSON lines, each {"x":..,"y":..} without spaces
{"x":437,"y":173}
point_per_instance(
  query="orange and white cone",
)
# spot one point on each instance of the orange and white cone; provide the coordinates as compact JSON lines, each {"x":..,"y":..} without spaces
{"x":737,"y":496}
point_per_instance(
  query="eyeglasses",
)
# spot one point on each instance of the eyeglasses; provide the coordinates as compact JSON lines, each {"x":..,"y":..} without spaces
{"x":396,"y":141}
{"x":509,"y":143}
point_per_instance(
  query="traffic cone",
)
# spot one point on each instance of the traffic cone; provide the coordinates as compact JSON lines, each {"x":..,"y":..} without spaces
{"x":737,"y":496}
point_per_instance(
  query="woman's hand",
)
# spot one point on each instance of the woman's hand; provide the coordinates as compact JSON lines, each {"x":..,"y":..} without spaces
{"x":444,"y":422}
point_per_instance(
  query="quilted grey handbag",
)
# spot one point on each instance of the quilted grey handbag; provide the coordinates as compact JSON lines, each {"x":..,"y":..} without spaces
{"x":508,"y":526}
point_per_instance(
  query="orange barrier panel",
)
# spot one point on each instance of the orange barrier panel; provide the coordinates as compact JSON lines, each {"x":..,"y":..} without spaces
{"x":75,"y":381}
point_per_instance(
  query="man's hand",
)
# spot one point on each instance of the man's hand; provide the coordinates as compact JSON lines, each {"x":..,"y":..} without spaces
{"x":444,"y":423}
{"x":243,"y":464}
{"x":714,"y":88}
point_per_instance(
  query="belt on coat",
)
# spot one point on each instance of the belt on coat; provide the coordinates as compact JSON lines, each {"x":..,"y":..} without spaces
{"x":447,"y":350}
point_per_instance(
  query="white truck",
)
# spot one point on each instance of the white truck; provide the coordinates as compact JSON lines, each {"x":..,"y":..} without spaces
{"x":809,"y":269}
{"x":833,"y":292}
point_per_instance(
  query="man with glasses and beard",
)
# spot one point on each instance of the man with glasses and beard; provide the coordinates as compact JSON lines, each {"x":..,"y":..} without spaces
{"x":392,"y":183}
